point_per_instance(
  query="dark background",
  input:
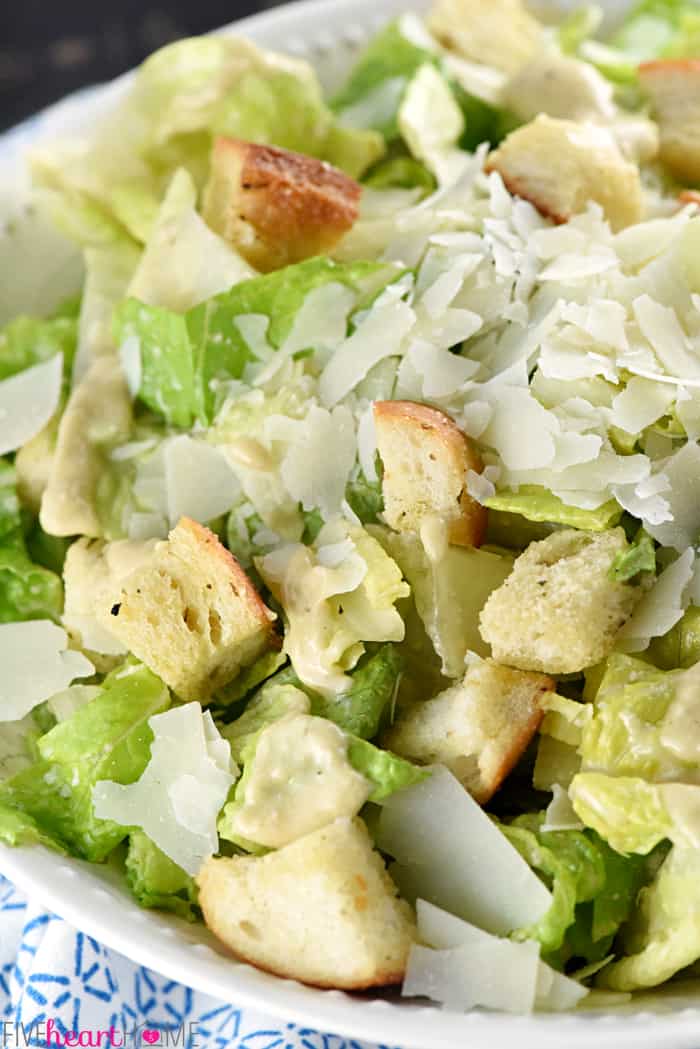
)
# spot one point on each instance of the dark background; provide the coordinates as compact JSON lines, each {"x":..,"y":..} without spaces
{"x":51,"y":47}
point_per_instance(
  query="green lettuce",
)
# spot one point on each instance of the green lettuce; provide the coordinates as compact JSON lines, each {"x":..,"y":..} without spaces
{"x":279,"y":697}
{"x":156,"y":881}
{"x":180,"y":99}
{"x":538,"y":504}
{"x":361,"y":709}
{"x":680,"y":647}
{"x":108,"y":738}
{"x":624,"y":736}
{"x":167,"y":366}
{"x":365,"y":498}
{"x":660,"y":29}
{"x":377,"y":86}
{"x":27,"y":341}
{"x":401,"y":172}
{"x":386,"y":772}
{"x":638,"y":557}
{"x":185,"y":356}
{"x":569,"y":862}
{"x":27,"y":590}
{"x":664,"y":934}
{"x":626,"y":811}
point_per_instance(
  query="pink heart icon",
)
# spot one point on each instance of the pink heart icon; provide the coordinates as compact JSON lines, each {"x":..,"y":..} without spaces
{"x":150,"y":1036}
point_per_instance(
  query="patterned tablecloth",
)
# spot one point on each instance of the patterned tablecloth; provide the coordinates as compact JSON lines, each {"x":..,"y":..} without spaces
{"x":59,"y":987}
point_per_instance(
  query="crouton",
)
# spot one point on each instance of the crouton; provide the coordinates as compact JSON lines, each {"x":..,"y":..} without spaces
{"x":478,"y":727}
{"x":322,"y":910}
{"x":426,"y":457}
{"x":191,"y":614}
{"x":689,"y":196}
{"x":559,"y":86}
{"x":559,"y":166}
{"x":559,"y":611}
{"x":673,"y":86}
{"x":92,"y":571}
{"x":498,"y":33}
{"x":276,"y":207}
{"x":97,"y":416}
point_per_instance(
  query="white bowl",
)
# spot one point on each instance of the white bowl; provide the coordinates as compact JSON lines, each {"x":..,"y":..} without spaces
{"x":94,"y":898}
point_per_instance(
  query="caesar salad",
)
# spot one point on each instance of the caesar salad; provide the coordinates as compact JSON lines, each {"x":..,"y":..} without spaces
{"x":349,"y":514}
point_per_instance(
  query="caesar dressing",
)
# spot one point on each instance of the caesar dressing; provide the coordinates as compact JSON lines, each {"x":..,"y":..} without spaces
{"x":680,"y":731}
{"x":434,"y":532}
{"x":682,"y":803}
{"x":301,"y":780}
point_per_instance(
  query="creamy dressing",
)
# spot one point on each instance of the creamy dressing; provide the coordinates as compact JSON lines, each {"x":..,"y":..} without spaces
{"x":301,"y":780}
{"x":680,"y":730}
{"x":434,"y":532}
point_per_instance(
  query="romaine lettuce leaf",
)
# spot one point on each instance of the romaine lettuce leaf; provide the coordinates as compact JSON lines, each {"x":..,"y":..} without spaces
{"x":279,"y":697}
{"x":680,"y":647}
{"x":220,"y":350}
{"x":538,"y":504}
{"x":108,"y":738}
{"x":27,"y":341}
{"x":639,"y":556}
{"x":626,"y":811}
{"x":160,"y":338}
{"x":401,"y":172}
{"x":625,"y":735}
{"x":156,"y":881}
{"x":27,"y":591}
{"x":569,"y":862}
{"x":365,"y":499}
{"x":659,"y":28}
{"x":386,"y":772}
{"x":664,"y":935}
{"x":361,"y":708}
{"x":372,"y":95}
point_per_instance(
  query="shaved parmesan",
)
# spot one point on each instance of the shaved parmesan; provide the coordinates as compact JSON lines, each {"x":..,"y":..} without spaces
{"x":449,"y":852}
{"x":551,"y":991}
{"x":681,"y":474}
{"x":199,"y":481}
{"x":560,"y":814}
{"x":640,"y":404}
{"x":179,"y":796}
{"x":660,"y":325}
{"x":379,"y":335}
{"x":317,"y":465}
{"x":64,"y":704}
{"x":27,"y":402}
{"x":661,"y":607}
{"x":36,"y":664}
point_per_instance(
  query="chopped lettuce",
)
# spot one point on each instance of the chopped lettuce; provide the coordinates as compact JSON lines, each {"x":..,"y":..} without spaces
{"x":680,"y":647}
{"x":337,"y":595}
{"x":361,"y":708}
{"x":365,"y":498}
{"x":401,"y":172}
{"x":638,"y":557}
{"x":626,"y":811}
{"x":659,"y":29}
{"x":156,"y":881}
{"x":27,"y":341}
{"x":569,"y":862}
{"x":625,"y":736}
{"x":537,"y":504}
{"x":278,"y":698}
{"x":108,"y":738}
{"x":449,"y":594}
{"x":219,"y":347}
{"x":27,"y":590}
{"x":372,"y":95}
{"x":664,"y":935}
{"x":165,"y":363}
{"x":386,"y":772}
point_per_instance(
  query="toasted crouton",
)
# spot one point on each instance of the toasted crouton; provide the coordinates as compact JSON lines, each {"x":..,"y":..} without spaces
{"x":689,"y":196}
{"x":322,"y":910}
{"x":673,"y":85}
{"x":92,"y":571}
{"x":191,"y":614}
{"x":498,"y":33}
{"x":276,"y":207}
{"x":559,"y":166}
{"x":559,"y":611}
{"x":426,"y":457}
{"x":478,"y":727}
{"x":97,"y":416}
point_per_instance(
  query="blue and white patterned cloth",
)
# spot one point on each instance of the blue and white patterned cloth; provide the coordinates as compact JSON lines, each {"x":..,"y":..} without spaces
{"x":55,"y":981}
